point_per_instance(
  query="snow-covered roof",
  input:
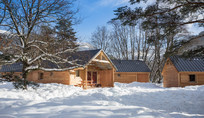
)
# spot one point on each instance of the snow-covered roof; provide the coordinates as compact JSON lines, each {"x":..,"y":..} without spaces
{"x":82,"y":57}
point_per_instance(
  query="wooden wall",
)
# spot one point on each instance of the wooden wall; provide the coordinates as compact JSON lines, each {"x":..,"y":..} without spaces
{"x":173,"y":78}
{"x":61,"y":77}
{"x":170,"y":75}
{"x":128,"y":77}
{"x":184,"y":78}
{"x":106,"y":78}
{"x":74,"y":80}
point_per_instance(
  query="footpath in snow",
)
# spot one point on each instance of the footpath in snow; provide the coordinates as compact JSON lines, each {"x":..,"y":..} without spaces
{"x":142,"y":100}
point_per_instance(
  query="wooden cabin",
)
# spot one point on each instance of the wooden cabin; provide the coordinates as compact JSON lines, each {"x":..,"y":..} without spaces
{"x":131,"y":71}
{"x":95,"y":70}
{"x":181,"y":72}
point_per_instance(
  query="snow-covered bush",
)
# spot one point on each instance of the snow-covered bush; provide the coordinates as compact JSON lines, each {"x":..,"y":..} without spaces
{"x":17,"y":81}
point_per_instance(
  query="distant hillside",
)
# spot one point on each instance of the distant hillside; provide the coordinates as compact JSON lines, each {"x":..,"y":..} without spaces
{"x":84,"y":46}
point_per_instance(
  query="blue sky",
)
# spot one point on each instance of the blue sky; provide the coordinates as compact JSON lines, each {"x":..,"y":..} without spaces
{"x":98,"y":12}
{"x":95,"y":13}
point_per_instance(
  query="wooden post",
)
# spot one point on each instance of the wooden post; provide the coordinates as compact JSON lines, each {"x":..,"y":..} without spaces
{"x":91,"y":78}
{"x":149,"y":77}
{"x":97,"y":77}
{"x":113,"y":76}
{"x":101,"y":56}
{"x":86,"y":77}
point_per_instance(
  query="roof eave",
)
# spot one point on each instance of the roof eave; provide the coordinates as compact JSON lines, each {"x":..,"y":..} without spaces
{"x":101,"y":50}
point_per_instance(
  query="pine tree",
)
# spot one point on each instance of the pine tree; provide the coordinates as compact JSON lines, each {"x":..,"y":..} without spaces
{"x":170,"y":16}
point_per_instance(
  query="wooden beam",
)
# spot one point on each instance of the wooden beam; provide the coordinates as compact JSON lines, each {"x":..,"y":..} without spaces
{"x":100,"y":61}
{"x":149,"y":77}
{"x":134,"y":72}
{"x":100,"y":56}
{"x":91,"y":77}
{"x":191,"y":72}
{"x":113,"y":76}
{"x":97,"y":77}
{"x":80,"y":68}
{"x":86,"y":77}
{"x":69,"y":77}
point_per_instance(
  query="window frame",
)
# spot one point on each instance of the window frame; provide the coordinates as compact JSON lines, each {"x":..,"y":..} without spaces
{"x":77,"y":73}
{"x":40,"y":76}
{"x":118,"y":75}
{"x":190,"y":75}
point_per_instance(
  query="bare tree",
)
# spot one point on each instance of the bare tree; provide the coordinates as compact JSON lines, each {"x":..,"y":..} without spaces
{"x":138,"y":41}
{"x":100,"y":38}
{"x":133,"y":38}
{"x":145,"y":46}
{"x":127,"y":44}
{"x":24,"y":18}
{"x":120,"y":40}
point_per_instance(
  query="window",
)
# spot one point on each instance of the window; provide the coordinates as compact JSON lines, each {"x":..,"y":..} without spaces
{"x":118,"y":75}
{"x":192,"y":78}
{"x":40,"y":76}
{"x":77,"y":73}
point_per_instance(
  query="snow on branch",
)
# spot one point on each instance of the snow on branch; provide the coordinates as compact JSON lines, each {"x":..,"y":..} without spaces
{"x":67,"y":50}
{"x":57,"y":69}
{"x":37,"y":41}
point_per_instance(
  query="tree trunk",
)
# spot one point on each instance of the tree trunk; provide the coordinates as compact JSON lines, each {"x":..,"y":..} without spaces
{"x":138,"y":45}
{"x":24,"y":76}
{"x":24,"y":70}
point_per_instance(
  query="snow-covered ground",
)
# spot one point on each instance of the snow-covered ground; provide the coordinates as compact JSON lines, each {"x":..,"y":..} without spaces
{"x":143,"y":100}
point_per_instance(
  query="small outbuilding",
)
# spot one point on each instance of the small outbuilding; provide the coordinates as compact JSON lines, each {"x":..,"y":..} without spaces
{"x":131,"y":71}
{"x":181,"y":72}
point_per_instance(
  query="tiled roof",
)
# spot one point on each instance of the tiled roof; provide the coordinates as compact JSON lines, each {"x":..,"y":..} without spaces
{"x":188,"y":65}
{"x":130,"y":66}
{"x":16,"y":67}
{"x":83,"y":58}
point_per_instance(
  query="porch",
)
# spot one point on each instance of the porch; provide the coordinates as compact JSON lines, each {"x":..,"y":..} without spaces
{"x":98,"y":73}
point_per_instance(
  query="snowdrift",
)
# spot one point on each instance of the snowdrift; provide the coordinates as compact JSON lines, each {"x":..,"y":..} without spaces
{"x":124,"y":100}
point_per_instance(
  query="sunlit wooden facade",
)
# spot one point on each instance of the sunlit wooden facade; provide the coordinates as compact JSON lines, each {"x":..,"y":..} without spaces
{"x":97,"y":72}
{"x":179,"y":72}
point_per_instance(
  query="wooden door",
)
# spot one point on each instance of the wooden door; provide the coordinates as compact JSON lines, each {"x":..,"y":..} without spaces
{"x":94,"y":77}
{"x":89,"y":75}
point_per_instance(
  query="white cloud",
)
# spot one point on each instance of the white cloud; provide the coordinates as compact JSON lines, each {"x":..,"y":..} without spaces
{"x":194,"y":29}
{"x":112,"y":2}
